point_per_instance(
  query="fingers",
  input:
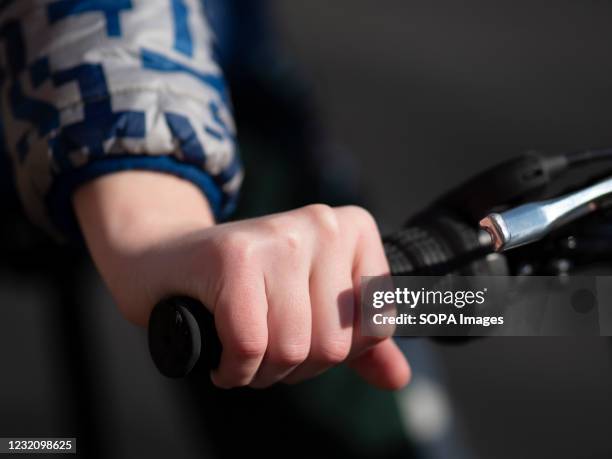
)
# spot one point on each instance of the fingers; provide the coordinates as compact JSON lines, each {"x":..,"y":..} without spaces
{"x":383,"y":366}
{"x":369,"y":260}
{"x":289,"y":325}
{"x":289,"y":308}
{"x":377,"y":360}
{"x":240,"y":319}
{"x":331,"y":293}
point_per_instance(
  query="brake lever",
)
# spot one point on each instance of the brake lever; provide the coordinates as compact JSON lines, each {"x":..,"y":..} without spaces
{"x":530,"y":222}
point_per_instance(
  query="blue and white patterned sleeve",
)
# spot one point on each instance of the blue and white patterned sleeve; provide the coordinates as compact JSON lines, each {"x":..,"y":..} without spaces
{"x":90,"y":87}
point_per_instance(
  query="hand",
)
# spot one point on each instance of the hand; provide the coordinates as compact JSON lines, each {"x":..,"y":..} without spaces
{"x":283,"y":289}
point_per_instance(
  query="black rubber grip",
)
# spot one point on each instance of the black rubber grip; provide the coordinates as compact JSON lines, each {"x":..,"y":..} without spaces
{"x":182,"y":334}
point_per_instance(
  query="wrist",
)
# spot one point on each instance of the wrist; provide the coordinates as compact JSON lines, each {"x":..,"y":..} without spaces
{"x":135,"y":224}
{"x":133,"y":209}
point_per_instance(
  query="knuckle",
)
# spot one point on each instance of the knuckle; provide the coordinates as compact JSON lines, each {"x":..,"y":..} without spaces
{"x":249,"y":349}
{"x":319,"y":211}
{"x":277,"y":224}
{"x":333,"y":351}
{"x":363,"y":217}
{"x":286,"y":233}
{"x":325,"y":218}
{"x":293,"y":241}
{"x":238,"y":247}
{"x":289,"y":355}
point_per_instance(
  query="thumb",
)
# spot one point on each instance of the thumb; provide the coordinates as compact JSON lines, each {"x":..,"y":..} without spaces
{"x":383,"y":366}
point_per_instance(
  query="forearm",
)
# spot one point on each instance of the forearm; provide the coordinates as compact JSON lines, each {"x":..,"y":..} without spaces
{"x":126,"y":218}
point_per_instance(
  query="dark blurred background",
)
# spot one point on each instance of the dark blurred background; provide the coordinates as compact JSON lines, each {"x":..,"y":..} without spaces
{"x":424,"y":94}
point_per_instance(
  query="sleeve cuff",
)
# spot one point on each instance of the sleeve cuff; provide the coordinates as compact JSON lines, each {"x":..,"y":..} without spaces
{"x":59,"y":197}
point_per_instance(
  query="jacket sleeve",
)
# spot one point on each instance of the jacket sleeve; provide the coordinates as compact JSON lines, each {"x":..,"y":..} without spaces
{"x":90,"y":87}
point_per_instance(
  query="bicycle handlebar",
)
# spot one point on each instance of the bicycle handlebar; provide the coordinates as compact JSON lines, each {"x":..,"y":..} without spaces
{"x":182,"y":334}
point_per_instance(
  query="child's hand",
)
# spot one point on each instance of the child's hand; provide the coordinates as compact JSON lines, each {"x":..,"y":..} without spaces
{"x":283,"y":288}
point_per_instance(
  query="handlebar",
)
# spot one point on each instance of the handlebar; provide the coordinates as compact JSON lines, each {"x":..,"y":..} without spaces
{"x":182,"y":335}
{"x":532,"y":221}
